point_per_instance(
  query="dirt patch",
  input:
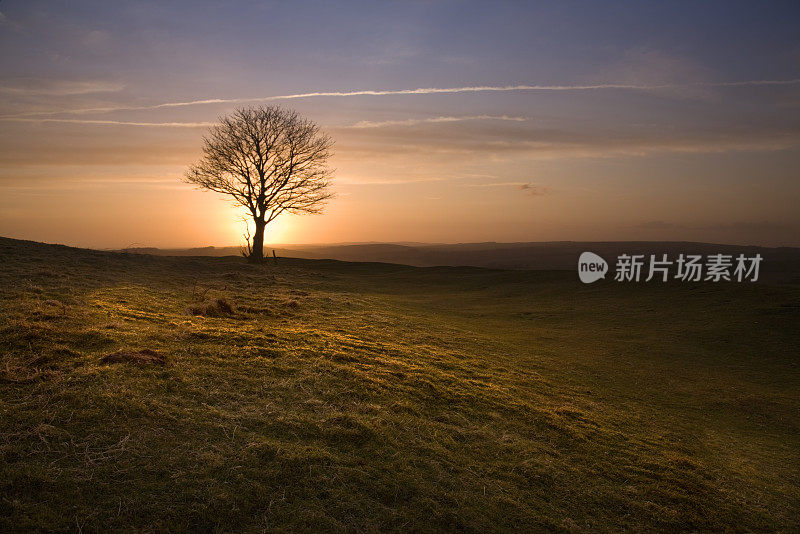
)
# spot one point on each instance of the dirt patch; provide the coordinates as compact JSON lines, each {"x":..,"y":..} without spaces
{"x":144,"y":356}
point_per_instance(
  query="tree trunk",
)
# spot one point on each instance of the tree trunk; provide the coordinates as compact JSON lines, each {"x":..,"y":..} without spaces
{"x":257,"y":251}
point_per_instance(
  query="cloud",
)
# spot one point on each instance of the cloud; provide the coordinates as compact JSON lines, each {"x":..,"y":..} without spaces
{"x":442,"y":135}
{"x":530,"y":189}
{"x":112,"y":122}
{"x":358,"y":125}
{"x":419,"y":91}
{"x":499,"y":184}
{"x":400,"y":180}
{"x":535,"y":190}
{"x":392,"y":153}
{"x":414,"y":122}
{"x":67,"y":184}
{"x":54,"y":148}
{"x":49,"y":87}
{"x":571,"y":140}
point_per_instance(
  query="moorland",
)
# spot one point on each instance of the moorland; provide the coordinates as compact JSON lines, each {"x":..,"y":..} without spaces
{"x":150,"y":393}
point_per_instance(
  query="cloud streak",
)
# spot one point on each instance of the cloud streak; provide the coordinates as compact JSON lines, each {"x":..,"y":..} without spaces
{"x":419,"y":91}
{"x":529,"y":189}
{"x":530,"y":141}
{"x":111,"y":122}
{"x":45,"y":87}
{"x":414,"y":122}
{"x":358,"y":125}
{"x":500,"y":184}
{"x":419,"y":152}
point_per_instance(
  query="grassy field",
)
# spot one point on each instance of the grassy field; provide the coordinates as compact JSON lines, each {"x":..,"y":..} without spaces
{"x":370,"y":397}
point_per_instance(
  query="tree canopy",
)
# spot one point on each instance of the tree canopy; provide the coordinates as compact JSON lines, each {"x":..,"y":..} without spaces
{"x":269,"y":160}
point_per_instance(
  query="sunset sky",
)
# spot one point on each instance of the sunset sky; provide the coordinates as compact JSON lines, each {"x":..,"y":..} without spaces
{"x":453,"y":121}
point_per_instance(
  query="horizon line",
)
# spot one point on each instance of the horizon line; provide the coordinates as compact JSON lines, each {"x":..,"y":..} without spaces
{"x":134,"y":246}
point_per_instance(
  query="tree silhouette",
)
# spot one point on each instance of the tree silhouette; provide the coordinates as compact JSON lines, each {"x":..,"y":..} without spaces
{"x":269,"y":160}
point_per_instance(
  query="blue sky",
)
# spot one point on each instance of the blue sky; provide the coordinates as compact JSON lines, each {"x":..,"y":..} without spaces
{"x":549,"y":120}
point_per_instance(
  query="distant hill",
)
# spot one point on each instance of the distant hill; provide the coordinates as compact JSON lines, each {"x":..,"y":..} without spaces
{"x":524,"y":256}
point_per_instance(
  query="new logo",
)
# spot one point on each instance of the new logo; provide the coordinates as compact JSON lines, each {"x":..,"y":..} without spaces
{"x":591,"y":267}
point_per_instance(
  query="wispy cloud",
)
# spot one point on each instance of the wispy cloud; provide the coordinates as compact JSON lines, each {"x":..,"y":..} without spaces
{"x":419,"y":91}
{"x":358,"y":125}
{"x":530,"y":189}
{"x":389,"y":181}
{"x":397,"y":153}
{"x":414,"y":122}
{"x":112,"y":122}
{"x":47,"y":87}
{"x":499,"y":184}
{"x":533,"y":141}
{"x":535,"y":190}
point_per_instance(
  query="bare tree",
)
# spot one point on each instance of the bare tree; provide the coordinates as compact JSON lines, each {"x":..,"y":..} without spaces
{"x":269,"y":160}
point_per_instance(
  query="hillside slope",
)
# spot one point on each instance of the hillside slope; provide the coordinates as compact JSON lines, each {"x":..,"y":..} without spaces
{"x":329,"y":396}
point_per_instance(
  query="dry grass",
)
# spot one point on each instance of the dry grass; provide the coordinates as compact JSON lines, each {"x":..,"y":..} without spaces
{"x":389,"y":399}
{"x":143,"y":356}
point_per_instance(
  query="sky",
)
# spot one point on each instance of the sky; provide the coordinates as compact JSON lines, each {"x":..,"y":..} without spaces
{"x":453,"y":121}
